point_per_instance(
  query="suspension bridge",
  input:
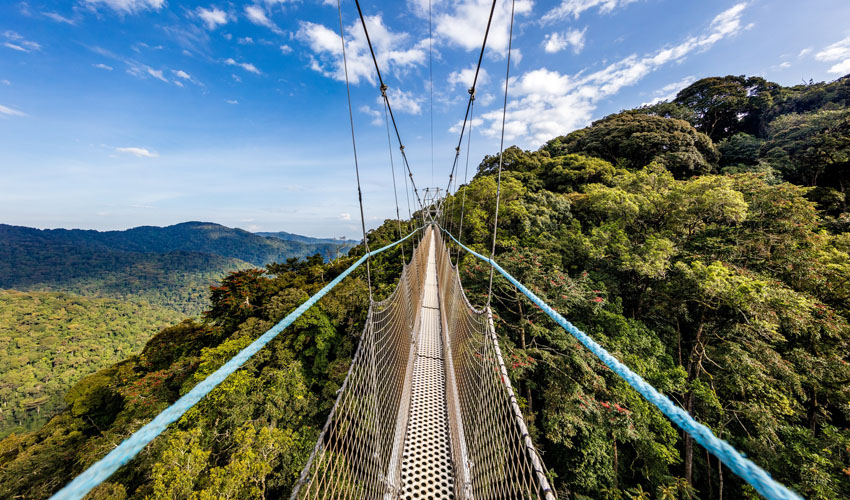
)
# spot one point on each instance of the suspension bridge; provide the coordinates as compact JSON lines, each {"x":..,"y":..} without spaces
{"x":427,"y":410}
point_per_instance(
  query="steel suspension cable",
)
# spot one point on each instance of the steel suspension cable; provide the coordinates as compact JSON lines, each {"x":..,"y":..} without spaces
{"x":465,"y":178}
{"x":501,"y":154}
{"x":392,"y":170}
{"x":354,"y":146}
{"x":387,"y":99}
{"x":472,"y":89}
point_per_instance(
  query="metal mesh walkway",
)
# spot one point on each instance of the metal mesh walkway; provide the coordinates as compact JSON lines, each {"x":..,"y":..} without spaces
{"x":426,"y":467}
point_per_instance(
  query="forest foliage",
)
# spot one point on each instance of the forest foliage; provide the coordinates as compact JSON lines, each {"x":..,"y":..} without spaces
{"x":703,"y":241}
{"x":50,"y":340}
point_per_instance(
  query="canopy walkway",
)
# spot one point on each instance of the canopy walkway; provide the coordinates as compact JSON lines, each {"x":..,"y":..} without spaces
{"x":427,"y":410}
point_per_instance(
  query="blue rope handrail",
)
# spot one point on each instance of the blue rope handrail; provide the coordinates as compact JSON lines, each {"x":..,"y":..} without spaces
{"x":130,"y":447}
{"x":757,"y":477}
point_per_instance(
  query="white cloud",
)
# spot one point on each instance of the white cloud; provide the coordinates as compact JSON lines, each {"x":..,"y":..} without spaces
{"x":838,"y":51}
{"x":345,"y":216}
{"x":138,"y":152}
{"x":403,"y":102}
{"x":465,"y":24}
{"x":213,"y":17}
{"x":377,"y":116}
{"x":574,"y":8}
{"x":232,"y":101}
{"x":246,"y":66}
{"x":286,"y":49}
{"x":19,"y":43}
{"x":5,"y":82}
{"x":128,"y":6}
{"x":805,"y":52}
{"x":466,"y":76}
{"x":784,"y":65}
{"x":59,"y":18}
{"x":841,"y":68}
{"x":669,"y":91}
{"x":182,"y":74}
{"x":546,"y":103}
{"x":474,"y":123}
{"x":156,"y":73}
{"x":4,"y":110}
{"x":245,"y":41}
{"x":556,"y":42}
{"x":102,"y":66}
{"x":394,"y":51}
{"x":257,"y":15}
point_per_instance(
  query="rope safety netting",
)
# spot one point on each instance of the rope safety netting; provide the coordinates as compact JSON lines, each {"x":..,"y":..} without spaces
{"x":358,"y":453}
{"x":356,"y":446}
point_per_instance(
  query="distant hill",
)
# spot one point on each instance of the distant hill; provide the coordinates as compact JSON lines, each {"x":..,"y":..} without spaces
{"x":283,"y":235}
{"x":169,"y":266}
{"x":203,"y":237}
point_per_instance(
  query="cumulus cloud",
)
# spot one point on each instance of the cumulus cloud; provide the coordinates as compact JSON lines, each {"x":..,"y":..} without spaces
{"x":181,"y":74}
{"x":474,"y":123}
{"x":127,"y":6}
{"x":466,"y":76}
{"x":212,"y":17}
{"x":4,"y":110}
{"x":464,"y":24}
{"x":246,"y":66}
{"x":285,"y":49}
{"x":556,"y":42}
{"x":838,"y":52}
{"x":403,"y":102}
{"x":395,"y":51}
{"x":574,"y":8}
{"x":138,"y":152}
{"x":546,"y":103}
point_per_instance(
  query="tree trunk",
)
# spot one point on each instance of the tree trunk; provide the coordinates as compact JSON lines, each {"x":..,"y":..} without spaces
{"x":522,"y":345}
{"x":616,"y":464}
{"x":708,"y":473}
{"x":720,"y":480}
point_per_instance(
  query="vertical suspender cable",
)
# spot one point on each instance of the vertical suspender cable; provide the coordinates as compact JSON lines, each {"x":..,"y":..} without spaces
{"x":431,"y":86}
{"x":354,"y":146}
{"x":501,"y":153}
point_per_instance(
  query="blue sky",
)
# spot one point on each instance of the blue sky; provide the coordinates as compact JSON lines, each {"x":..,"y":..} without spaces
{"x":118,"y":113}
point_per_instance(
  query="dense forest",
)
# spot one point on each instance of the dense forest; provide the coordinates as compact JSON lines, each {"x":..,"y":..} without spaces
{"x":703,"y":241}
{"x":49,"y":341}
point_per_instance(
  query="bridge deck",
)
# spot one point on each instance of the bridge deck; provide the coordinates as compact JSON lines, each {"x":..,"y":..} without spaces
{"x":426,"y":464}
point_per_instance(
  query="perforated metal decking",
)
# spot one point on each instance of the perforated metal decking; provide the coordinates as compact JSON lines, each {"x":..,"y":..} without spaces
{"x":427,"y":472}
